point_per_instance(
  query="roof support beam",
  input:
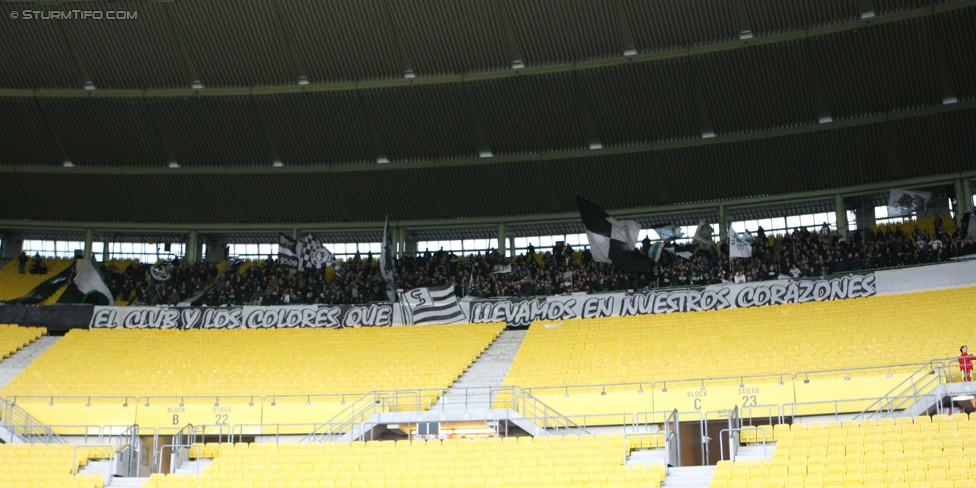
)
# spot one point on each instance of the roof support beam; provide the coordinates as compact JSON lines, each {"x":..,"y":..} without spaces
{"x":942,"y":64}
{"x":555,"y":68}
{"x":628,"y":46}
{"x":641,"y":148}
{"x":514,"y":52}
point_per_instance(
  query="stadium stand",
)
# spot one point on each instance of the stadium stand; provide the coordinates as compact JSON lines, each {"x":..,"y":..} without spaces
{"x":239,"y":365}
{"x":836,"y":335}
{"x":542,"y":272}
{"x":253,"y":362}
{"x":924,"y":452}
{"x":513,"y":461}
{"x":48,"y":466}
{"x":15,"y":285}
{"x":13,"y":338}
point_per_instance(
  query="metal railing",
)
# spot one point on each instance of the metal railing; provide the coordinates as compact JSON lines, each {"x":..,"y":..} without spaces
{"x":128,"y":446}
{"x":735,"y":425}
{"x":906,"y":395}
{"x":74,"y":457}
{"x":24,"y":426}
{"x":672,"y":440}
{"x":534,"y":409}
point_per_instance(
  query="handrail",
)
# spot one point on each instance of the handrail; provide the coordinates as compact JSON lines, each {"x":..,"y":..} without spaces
{"x":13,"y":416}
{"x":74,"y":456}
{"x":731,"y":431}
{"x":343,"y":397}
{"x":910,"y":382}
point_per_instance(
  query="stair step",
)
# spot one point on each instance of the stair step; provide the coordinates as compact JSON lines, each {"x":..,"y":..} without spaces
{"x":18,"y":361}
{"x":473,"y":388}
{"x":128,"y":482}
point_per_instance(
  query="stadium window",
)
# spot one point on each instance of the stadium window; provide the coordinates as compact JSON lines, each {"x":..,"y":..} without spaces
{"x":52,"y":249}
{"x":144,"y":252}
{"x":881,"y":216}
{"x":252,"y":251}
{"x":783,"y":225}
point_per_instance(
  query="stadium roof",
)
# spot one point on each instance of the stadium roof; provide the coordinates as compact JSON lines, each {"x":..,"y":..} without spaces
{"x":630,"y":102}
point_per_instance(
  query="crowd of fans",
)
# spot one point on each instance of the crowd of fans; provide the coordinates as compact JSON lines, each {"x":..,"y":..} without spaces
{"x":559,"y":270}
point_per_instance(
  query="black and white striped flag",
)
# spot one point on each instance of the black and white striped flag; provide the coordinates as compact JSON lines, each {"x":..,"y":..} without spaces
{"x":431,"y":305}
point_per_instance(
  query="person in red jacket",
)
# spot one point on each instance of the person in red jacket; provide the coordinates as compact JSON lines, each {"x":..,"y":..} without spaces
{"x":965,"y":362}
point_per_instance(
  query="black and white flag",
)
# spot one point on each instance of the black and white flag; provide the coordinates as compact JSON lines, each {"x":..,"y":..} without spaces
{"x":436,"y":305}
{"x":314,"y":254}
{"x":738,"y":248}
{"x":287,"y":252}
{"x":669,"y":232}
{"x":703,"y":235}
{"x":162,"y":272}
{"x":387,"y":265}
{"x":905,"y":202}
{"x":611,"y":240}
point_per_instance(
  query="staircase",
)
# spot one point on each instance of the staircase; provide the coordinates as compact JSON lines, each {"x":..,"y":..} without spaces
{"x":755,"y":451}
{"x":194,"y":467}
{"x":18,"y":361}
{"x":127,"y":482}
{"x":473,"y":389}
{"x":104,"y":468}
{"x":647,"y":456}
{"x":689,"y":477}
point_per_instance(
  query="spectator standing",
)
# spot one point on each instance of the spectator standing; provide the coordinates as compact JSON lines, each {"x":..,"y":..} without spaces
{"x":965,"y":363}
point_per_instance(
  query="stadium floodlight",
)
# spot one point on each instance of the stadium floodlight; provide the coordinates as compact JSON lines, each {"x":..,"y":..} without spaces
{"x":302,"y":80}
{"x":409,"y":74}
{"x":89,"y":85}
{"x":278,"y":164}
{"x":69,"y":164}
{"x":174,"y":164}
{"x":197,"y":85}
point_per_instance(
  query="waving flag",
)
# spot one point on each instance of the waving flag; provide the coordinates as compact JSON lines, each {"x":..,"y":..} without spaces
{"x":611,"y":240}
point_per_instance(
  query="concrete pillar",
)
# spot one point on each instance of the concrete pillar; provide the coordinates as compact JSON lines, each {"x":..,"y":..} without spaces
{"x":841,"y":215}
{"x":192,"y":248}
{"x":402,"y":243}
{"x":964,"y":197}
{"x":105,"y":251}
{"x":215,"y":251}
{"x":88,"y":243}
{"x":511,"y":247}
{"x":501,"y":239}
{"x":410,"y":248}
{"x":12,"y":248}
{"x":865,"y":216}
{"x":723,"y":225}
